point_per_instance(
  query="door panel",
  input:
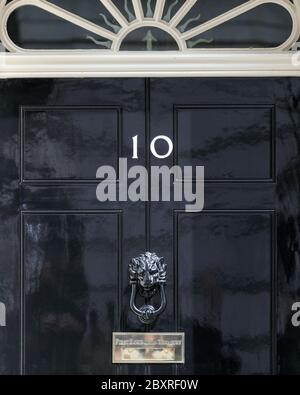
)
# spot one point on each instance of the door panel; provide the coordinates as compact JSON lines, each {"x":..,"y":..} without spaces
{"x":220,"y":136}
{"x":72,"y":289}
{"x":224,"y":265}
{"x":51,"y":137}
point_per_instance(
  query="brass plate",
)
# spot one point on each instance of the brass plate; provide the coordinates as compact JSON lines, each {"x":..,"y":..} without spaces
{"x":131,"y":347}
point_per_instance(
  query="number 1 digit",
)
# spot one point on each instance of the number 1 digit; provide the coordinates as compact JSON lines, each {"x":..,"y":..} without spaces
{"x":135,"y":147}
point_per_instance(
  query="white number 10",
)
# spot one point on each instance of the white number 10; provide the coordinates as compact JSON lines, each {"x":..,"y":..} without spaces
{"x":152,"y":147}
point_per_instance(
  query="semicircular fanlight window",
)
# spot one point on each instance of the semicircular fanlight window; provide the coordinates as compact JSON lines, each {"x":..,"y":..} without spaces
{"x":149,"y":25}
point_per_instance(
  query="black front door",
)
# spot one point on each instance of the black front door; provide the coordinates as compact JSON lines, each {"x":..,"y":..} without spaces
{"x":233,"y":270}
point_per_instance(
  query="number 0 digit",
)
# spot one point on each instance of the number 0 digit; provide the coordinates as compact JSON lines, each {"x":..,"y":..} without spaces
{"x":168,"y":141}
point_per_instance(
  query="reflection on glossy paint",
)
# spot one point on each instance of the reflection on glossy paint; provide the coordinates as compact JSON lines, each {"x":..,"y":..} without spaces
{"x":69,"y":295}
{"x":2,"y":314}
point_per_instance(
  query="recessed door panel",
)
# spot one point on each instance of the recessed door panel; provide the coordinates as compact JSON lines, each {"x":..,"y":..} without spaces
{"x":69,"y":143}
{"x":71,"y":291}
{"x":220,"y":137}
{"x":224,"y":290}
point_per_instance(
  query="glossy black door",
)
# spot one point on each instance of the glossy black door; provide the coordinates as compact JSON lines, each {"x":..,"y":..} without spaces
{"x":234,"y":265}
{"x":233,"y":270}
{"x":62,"y":278}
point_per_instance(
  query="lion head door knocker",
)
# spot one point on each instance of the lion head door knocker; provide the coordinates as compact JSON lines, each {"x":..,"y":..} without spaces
{"x":147,"y":278}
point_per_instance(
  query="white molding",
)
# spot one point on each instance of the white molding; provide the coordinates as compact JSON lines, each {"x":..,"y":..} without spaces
{"x":182,"y":12}
{"x":150,"y":23}
{"x":154,"y":64}
{"x":159,"y":9}
{"x":138,"y":9}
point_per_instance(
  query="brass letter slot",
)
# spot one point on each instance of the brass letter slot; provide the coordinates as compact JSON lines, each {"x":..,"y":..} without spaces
{"x":148,"y":347}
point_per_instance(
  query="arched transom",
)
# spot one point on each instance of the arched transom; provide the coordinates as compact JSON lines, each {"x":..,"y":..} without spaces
{"x":151,"y":24}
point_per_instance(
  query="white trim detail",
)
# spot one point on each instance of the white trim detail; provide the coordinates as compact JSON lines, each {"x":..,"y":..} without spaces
{"x":149,"y":23}
{"x":159,"y":9}
{"x":138,"y":9}
{"x":182,"y":12}
{"x":154,"y":64}
{"x":21,"y":62}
